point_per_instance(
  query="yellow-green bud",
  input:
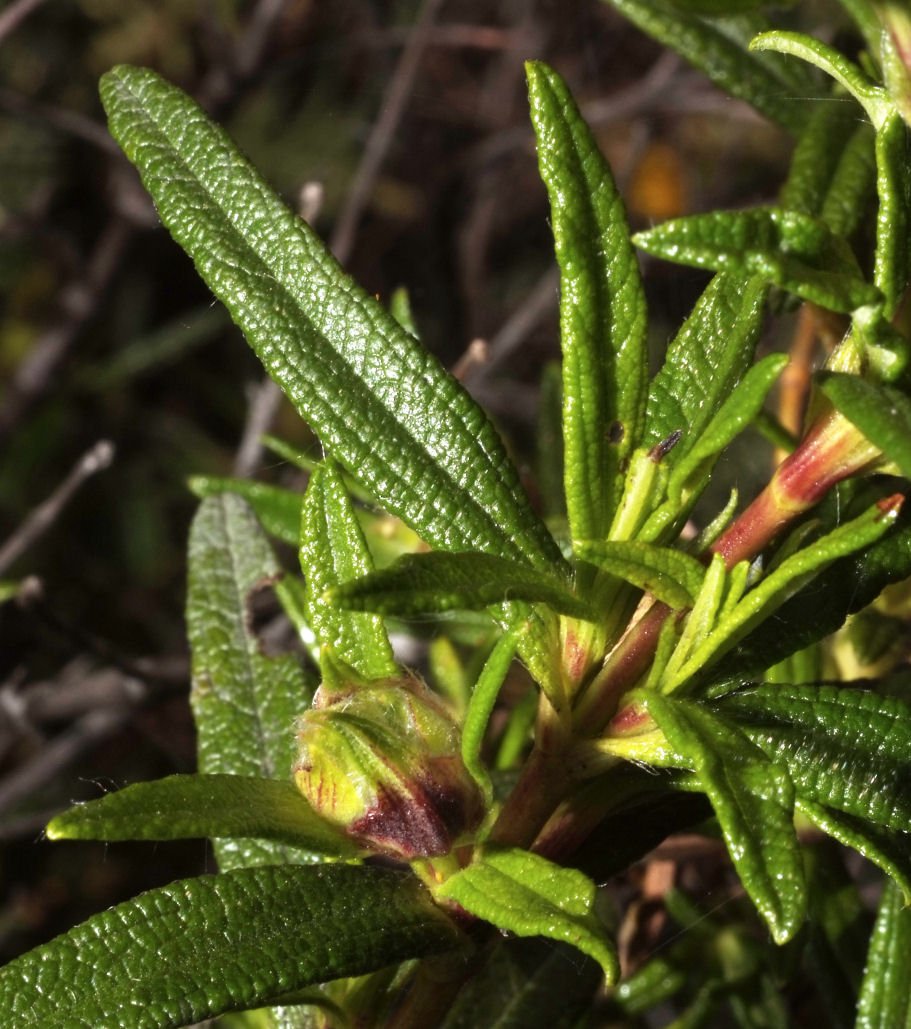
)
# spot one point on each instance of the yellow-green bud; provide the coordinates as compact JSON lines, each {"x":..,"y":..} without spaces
{"x":382,"y":760}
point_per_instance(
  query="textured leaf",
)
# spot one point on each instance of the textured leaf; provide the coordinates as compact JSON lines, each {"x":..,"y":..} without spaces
{"x":671,"y":575}
{"x":892,"y":264}
{"x":735,"y":413}
{"x":784,"y":581}
{"x":527,"y":895}
{"x":781,"y":247}
{"x":871,"y":97}
{"x":184,"y":806}
{"x":821,"y":607}
{"x":602,"y":307}
{"x":882,"y":413}
{"x":380,"y":404}
{"x":279,"y":510}
{"x":851,"y":185}
{"x":709,"y":356}
{"x":199,"y":947}
{"x":244,"y":703}
{"x":483,"y":699}
{"x":890,"y":850}
{"x":885,"y":994}
{"x":817,"y":156}
{"x":767,"y":85}
{"x":526,"y":984}
{"x":438,"y":581}
{"x":848,"y":749}
{"x":333,"y":550}
{"x":754,"y":802}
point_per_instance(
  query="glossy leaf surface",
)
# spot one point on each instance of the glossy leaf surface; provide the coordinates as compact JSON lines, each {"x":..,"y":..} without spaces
{"x":187,"y":806}
{"x":704,"y":363}
{"x":671,"y":575}
{"x":244,"y":702}
{"x":422,"y":583}
{"x":754,"y":803}
{"x":783,"y":248}
{"x":848,"y":749}
{"x":332,"y":551}
{"x":527,"y":895}
{"x":200,"y":947}
{"x":885,"y":994}
{"x":602,"y":307}
{"x":882,"y":413}
{"x":380,"y":403}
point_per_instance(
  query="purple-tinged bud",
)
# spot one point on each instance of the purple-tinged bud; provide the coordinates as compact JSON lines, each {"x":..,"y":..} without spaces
{"x":382,"y":760}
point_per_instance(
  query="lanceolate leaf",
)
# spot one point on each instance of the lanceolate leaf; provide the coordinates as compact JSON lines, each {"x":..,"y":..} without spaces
{"x":671,"y":575}
{"x":893,"y":183}
{"x":244,"y":703}
{"x":185,"y":806}
{"x":725,"y":60}
{"x":379,"y":403}
{"x":882,"y":413}
{"x":705,"y":362}
{"x":333,"y":550}
{"x":848,"y":749}
{"x":784,"y":581}
{"x":204,"y":946}
{"x":754,"y":802}
{"x":523,"y":893}
{"x":783,"y":248}
{"x":483,"y":698}
{"x":890,"y":850}
{"x":279,"y":510}
{"x":822,"y":606}
{"x":851,"y":184}
{"x":602,"y":307}
{"x":423,"y":583}
{"x":885,"y":994}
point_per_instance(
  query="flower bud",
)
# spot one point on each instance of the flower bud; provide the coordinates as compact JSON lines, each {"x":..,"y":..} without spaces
{"x":382,"y":760}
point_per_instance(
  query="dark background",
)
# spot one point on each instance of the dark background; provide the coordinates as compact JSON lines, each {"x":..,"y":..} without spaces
{"x":107,"y":334}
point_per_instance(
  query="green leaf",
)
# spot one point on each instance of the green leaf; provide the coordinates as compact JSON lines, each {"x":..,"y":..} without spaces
{"x":671,"y":575}
{"x":481,"y":704}
{"x":526,"y":984}
{"x":754,"y":802}
{"x":200,"y":947}
{"x":781,"y":247}
{"x":279,"y":510}
{"x":602,"y":307}
{"x":882,"y":413}
{"x":848,"y":749}
{"x":709,"y":46}
{"x":708,"y":358}
{"x":418,"y":584}
{"x":783,"y":582}
{"x":332,"y":551}
{"x":380,"y":404}
{"x":821,"y":607}
{"x":528,"y":895}
{"x":892,"y":263}
{"x":891,"y":851}
{"x":874,"y":99}
{"x":244,"y":703}
{"x":885,"y":994}
{"x":851,"y":185}
{"x":736,"y":412}
{"x":185,"y":806}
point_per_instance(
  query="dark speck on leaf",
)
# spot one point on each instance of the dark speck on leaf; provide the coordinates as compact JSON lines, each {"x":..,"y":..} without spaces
{"x":616,"y":432}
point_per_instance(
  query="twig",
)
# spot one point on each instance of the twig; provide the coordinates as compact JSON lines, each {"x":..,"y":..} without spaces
{"x":60,"y":752}
{"x":94,"y":460}
{"x":71,"y":122}
{"x":382,"y":133}
{"x":16,"y":13}
{"x":79,"y":300}
{"x":264,"y":400}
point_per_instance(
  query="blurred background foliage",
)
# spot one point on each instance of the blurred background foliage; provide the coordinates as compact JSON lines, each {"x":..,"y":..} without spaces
{"x":107,"y":334}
